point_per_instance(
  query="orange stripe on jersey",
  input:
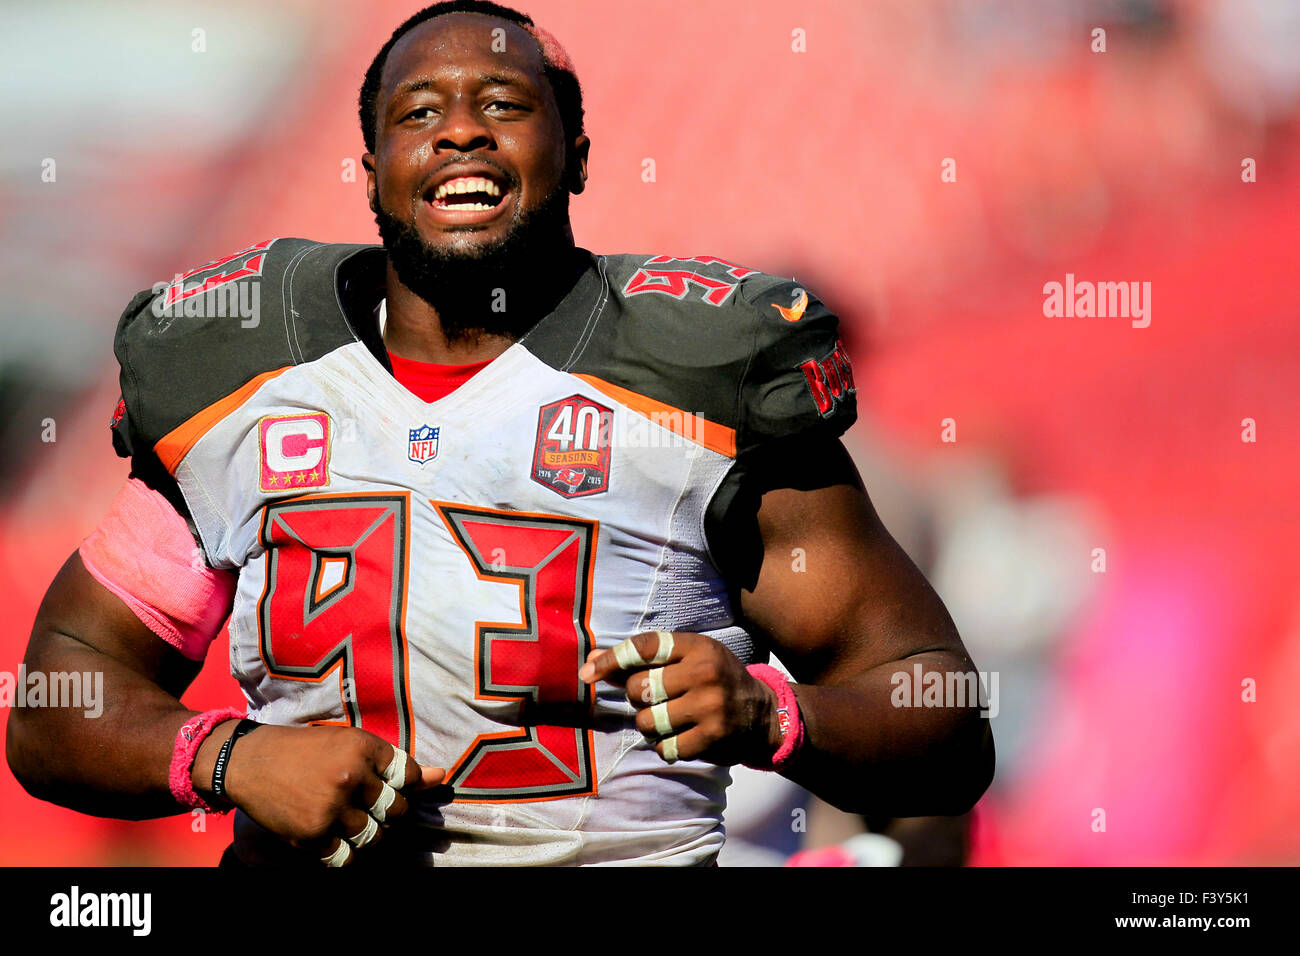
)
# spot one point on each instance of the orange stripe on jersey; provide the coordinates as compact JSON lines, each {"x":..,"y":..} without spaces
{"x":176,"y":444}
{"x":692,"y":427}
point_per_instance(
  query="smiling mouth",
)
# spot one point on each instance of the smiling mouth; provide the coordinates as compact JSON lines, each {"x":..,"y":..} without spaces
{"x":466,"y":194}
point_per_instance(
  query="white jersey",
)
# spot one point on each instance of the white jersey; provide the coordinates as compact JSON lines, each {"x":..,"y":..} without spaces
{"x":437,"y":572}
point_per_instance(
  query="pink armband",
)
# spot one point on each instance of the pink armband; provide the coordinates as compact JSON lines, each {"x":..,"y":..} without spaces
{"x":188,"y":740}
{"x":144,"y":553}
{"x":791,"y":722}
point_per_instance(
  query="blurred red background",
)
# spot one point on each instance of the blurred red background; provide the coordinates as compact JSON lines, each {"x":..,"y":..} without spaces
{"x":1122,"y":689}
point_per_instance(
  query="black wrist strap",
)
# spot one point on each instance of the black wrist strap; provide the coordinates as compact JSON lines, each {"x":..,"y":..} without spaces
{"x":245,"y":726}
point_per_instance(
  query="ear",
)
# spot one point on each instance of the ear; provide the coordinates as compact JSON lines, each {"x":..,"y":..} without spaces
{"x":372,"y":191}
{"x":578,"y":165}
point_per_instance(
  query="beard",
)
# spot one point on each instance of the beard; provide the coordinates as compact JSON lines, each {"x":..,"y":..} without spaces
{"x":501,"y":287}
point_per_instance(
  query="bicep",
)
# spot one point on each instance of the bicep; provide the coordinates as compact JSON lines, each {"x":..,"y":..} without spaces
{"x":132,"y":611}
{"x":835,"y":595}
{"x":80,"y":616}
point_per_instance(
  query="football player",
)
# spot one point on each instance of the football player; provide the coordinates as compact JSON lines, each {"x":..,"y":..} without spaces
{"x":505,"y":530}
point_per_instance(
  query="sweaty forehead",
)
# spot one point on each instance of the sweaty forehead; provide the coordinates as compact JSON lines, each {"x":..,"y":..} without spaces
{"x":456,"y":39}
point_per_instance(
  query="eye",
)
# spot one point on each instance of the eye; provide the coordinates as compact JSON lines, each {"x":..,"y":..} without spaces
{"x":416,"y":113}
{"x":499,"y":105}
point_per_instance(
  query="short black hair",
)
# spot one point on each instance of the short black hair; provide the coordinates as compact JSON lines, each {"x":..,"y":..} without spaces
{"x":558,"y":70}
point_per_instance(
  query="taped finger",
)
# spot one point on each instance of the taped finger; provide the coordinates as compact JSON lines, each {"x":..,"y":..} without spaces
{"x":665,"y":650}
{"x":663,"y":725}
{"x":395,"y":773}
{"x":379,"y":810}
{"x":658,"y":693}
{"x":341,"y":856}
{"x":629,"y":656}
{"x":368,"y":833}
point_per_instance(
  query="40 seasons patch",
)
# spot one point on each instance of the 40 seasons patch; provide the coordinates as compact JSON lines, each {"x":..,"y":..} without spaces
{"x":294,"y":452}
{"x":572,"y":453}
{"x":423,"y":446}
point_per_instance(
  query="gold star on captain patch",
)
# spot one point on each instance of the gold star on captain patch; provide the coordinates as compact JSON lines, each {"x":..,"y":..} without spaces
{"x":314,"y":474}
{"x":300,"y":477}
{"x":274,"y":480}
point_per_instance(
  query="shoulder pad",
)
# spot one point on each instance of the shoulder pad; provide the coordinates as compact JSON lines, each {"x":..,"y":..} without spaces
{"x":753,"y":352}
{"x":800,"y":382}
{"x":186,"y":344}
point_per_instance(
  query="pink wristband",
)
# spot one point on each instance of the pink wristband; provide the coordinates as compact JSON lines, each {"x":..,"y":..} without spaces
{"x":188,"y":740}
{"x":787,"y":714}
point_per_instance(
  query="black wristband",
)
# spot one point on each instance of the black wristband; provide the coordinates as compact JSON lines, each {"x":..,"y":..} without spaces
{"x":245,"y":726}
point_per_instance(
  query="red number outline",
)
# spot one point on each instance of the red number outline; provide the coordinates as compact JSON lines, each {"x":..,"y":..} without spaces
{"x":563,"y":720}
{"x":340,"y":659}
{"x":582,"y":776}
{"x":677,"y":282}
{"x":176,"y":292}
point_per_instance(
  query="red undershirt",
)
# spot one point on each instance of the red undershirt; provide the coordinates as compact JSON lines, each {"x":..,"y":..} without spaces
{"x":430,"y":381}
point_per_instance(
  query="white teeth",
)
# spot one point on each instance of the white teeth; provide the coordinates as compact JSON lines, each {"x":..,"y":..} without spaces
{"x":467,"y":184}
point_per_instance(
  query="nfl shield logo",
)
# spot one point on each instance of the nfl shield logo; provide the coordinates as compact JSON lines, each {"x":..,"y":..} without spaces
{"x":423,"y":445}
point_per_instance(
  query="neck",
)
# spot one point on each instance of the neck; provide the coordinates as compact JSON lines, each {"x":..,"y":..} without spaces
{"x":415,"y":329}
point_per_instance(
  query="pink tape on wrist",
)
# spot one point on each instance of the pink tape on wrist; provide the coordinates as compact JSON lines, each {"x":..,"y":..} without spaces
{"x":188,"y":740}
{"x":792,"y":730}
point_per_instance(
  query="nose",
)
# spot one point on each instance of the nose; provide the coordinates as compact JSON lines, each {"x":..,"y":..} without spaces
{"x":462,"y":128}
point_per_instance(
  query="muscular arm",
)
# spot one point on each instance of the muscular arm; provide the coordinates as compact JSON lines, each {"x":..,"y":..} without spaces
{"x":115,"y":764}
{"x":817,"y":574}
{"x":308,"y":785}
{"x":844,"y":619}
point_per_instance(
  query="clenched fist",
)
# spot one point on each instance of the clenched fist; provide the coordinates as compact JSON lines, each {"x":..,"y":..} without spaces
{"x":324,"y":789}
